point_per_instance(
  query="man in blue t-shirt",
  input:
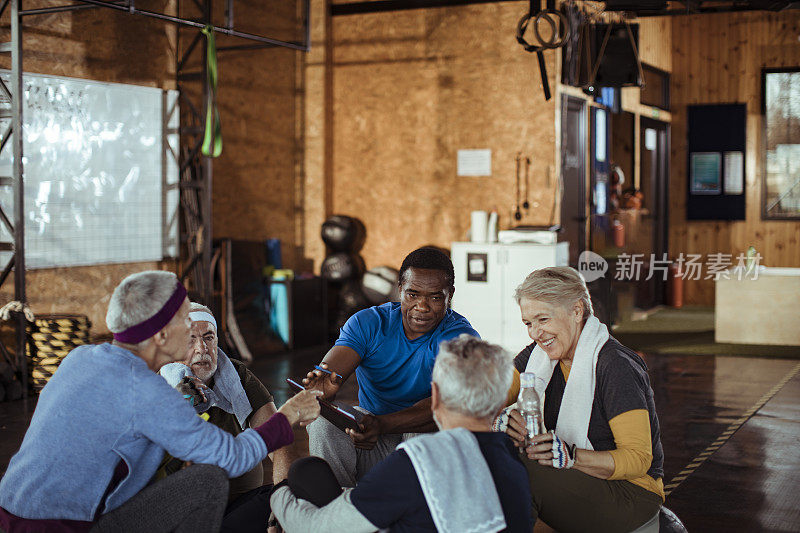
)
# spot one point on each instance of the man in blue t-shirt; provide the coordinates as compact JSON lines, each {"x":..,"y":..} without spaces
{"x":392,"y":349}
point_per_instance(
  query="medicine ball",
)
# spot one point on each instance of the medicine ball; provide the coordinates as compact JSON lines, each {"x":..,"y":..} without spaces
{"x":343,"y":234}
{"x":342,"y":266}
{"x":352,"y":298}
{"x":379,"y":285}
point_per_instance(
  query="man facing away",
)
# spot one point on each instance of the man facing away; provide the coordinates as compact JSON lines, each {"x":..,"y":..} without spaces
{"x":105,"y":419}
{"x":392,"y":349}
{"x":462,"y":478}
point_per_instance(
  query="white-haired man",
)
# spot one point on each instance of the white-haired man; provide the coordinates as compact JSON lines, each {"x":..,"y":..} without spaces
{"x":104,"y":421}
{"x":463,"y":478}
{"x":236,"y":400}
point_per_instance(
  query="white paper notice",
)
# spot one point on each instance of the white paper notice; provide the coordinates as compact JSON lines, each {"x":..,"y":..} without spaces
{"x":475,"y":162}
{"x":734,"y":173}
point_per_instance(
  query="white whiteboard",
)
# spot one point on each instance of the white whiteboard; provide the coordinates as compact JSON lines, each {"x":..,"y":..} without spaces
{"x":100,"y":171}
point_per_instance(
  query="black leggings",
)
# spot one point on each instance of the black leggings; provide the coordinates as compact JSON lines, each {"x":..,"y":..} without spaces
{"x":312,"y":479}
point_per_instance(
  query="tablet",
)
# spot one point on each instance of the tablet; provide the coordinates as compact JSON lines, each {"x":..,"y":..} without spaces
{"x":340,"y":414}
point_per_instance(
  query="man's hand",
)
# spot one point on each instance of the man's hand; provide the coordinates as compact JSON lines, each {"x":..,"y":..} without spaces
{"x":302,"y":408}
{"x":193,"y":390}
{"x":328,"y":383}
{"x":516,"y":428}
{"x":367,"y":438}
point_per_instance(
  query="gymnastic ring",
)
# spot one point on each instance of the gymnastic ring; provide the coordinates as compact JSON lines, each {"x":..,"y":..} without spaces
{"x":522,"y":25}
{"x":552,"y":43}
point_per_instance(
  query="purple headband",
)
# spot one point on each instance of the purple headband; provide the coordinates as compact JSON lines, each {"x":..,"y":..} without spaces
{"x":154,"y":324}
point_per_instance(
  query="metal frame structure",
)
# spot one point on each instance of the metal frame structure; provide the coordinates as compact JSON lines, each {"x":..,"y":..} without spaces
{"x":641,"y":9}
{"x":196,"y":170}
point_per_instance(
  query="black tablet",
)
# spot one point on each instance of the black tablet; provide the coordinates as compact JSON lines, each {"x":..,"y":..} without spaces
{"x":340,"y":414}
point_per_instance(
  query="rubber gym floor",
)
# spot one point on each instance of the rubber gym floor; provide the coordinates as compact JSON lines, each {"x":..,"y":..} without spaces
{"x":730,"y":428}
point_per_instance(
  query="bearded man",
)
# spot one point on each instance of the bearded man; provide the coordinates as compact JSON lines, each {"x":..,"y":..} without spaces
{"x":237,"y":400}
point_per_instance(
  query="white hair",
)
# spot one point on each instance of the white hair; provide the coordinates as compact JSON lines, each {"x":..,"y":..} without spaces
{"x":473,"y":376}
{"x":139,"y":297}
{"x":563,"y":286}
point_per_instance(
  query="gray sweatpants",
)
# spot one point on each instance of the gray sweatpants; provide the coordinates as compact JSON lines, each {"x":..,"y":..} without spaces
{"x":349,"y":464}
{"x":189,"y":501}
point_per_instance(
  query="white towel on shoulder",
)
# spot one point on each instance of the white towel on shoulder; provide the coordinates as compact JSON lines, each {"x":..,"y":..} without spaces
{"x":458,"y":487}
{"x":228,"y":393}
{"x":576,"y":404}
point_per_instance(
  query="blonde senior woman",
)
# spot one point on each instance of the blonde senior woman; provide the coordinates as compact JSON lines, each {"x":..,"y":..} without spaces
{"x":600,"y":467}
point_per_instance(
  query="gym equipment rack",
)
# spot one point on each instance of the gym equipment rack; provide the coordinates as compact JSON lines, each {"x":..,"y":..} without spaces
{"x":196,"y":169}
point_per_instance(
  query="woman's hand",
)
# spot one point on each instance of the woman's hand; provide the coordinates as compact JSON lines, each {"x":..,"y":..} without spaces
{"x":549,"y":450}
{"x":302,"y":408}
{"x":541,"y":449}
{"x":516,"y":428}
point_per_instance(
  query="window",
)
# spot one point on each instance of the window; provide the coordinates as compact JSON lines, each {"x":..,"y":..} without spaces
{"x":781,"y":116}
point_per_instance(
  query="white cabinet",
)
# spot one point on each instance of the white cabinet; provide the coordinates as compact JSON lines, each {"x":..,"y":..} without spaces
{"x":487,"y":276}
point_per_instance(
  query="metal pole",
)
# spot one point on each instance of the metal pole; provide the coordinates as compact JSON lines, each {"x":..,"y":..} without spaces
{"x":198,"y":25}
{"x":208,"y":173}
{"x":19,"y":189}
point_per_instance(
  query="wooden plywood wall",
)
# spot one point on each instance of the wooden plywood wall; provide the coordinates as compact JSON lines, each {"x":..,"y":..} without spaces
{"x":256,"y":190}
{"x":407,"y":91}
{"x":655,"y":42}
{"x":254,"y":181}
{"x":718,"y":59}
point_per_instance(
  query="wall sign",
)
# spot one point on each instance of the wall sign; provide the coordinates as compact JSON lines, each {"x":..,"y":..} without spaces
{"x":475,"y":162}
{"x":715,"y":161}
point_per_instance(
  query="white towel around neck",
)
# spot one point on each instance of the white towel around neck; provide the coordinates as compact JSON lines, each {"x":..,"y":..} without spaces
{"x":458,"y":487}
{"x":228,"y":393}
{"x":576,"y":404}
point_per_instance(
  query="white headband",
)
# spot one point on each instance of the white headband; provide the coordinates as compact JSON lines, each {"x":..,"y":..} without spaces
{"x":202,"y":316}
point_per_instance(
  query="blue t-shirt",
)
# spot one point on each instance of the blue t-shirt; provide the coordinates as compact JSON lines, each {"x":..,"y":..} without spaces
{"x":395,"y":373}
{"x":391,"y":497}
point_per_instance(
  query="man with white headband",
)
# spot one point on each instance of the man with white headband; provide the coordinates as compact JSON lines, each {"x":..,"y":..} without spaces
{"x":236,"y":400}
{"x":105,"y":420}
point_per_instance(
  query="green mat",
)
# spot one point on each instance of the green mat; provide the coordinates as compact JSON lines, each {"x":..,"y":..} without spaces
{"x":689,"y":331}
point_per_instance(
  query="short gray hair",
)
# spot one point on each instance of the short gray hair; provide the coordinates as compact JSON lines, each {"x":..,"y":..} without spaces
{"x":138,"y":297}
{"x":473,"y":376}
{"x":560,"y":285}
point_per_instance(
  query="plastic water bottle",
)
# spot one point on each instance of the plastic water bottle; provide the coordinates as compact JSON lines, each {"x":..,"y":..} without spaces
{"x":530,"y":407}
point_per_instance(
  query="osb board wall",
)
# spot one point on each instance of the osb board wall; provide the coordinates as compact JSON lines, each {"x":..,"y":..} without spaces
{"x":256,"y":194}
{"x":99,"y":44}
{"x":655,"y":42}
{"x":411,"y":88}
{"x":316,"y":118}
{"x":77,"y":290}
{"x":718,"y":59}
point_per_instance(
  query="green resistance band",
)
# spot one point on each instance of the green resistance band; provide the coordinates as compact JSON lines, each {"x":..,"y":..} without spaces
{"x":212,"y":141}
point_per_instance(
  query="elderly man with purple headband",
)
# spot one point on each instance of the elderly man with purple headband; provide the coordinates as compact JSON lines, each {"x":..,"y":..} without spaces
{"x":104,"y":421}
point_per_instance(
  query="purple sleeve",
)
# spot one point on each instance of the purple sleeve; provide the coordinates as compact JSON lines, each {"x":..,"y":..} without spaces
{"x":276,"y":432}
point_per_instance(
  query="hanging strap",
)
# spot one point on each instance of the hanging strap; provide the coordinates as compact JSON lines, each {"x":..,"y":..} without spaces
{"x":212,"y":141}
